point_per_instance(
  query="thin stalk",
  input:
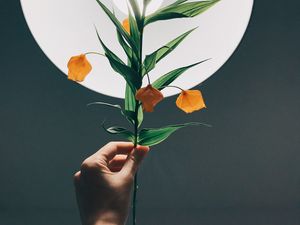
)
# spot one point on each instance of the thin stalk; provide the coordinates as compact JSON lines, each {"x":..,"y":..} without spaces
{"x":134,"y":198}
{"x":94,"y":53}
{"x":147,"y":74}
{"x":172,"y":86}
{"x":137,"y":104}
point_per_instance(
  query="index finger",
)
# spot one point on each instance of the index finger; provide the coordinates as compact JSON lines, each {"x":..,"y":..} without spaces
{"x":111,"y":149}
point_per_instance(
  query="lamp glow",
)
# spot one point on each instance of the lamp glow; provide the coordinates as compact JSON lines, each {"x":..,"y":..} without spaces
{"x":151,"y":8}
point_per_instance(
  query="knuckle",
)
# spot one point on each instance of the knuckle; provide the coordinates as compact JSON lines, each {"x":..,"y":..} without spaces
{"x":133,"y":159}
{"x":88,"y":166}
{"x":76,"y":177}
{"x":111,"y":144}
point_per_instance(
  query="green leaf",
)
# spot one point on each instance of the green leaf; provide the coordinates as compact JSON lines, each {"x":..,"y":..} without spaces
{"x":154,"y":136}
{"x":180,"y":9}
{"x":178,"y":2}
{"x":134,"y":31}
{"x":118,"y":25}
{"x":129,"y":99}
{"x":151,"y":60}
{"x":106,"y":104}
{"x":124,"y":45}
{"x":119,"y":131}
{"x":131,"y":57}
{"x":123,"y":112}
{"x":168,"y":78}
{"x":131,"y":77}
{"x":146,"y":2}
{"x":130,"y":104}
{"x":140,"y":116}
{"x":136,"y":10}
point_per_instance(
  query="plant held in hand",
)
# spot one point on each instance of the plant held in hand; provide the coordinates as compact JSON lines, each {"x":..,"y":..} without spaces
{"x":137,"y":98}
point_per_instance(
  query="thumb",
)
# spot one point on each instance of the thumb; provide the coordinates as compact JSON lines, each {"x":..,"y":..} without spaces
{"x":134,"y":159}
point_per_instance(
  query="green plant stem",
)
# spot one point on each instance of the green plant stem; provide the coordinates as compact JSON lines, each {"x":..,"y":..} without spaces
{"x":137,"y":105}
{"x":173,"y":86}
{"x":134,"y":198}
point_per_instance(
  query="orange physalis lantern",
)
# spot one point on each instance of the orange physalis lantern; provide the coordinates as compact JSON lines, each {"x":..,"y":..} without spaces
{"x":126,"y":25}
{"x":78,"y":67}
{"x":190,"y":101}
{"x":149,"y":96}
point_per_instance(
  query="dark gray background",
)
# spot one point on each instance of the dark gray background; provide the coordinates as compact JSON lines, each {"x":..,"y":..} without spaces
{"x":244,"y":170}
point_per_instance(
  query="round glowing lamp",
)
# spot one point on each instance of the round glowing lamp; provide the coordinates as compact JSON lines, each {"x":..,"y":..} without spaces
{"x":66,"y":28}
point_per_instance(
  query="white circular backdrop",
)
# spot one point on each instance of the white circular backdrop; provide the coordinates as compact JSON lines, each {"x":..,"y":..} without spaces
{"x":63,"y":28}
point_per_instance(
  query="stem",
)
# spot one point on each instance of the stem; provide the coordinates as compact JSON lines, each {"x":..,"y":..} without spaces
{"x":173,"y":86}
{"x":135,"y":183}
{"x":148,"y":77}
{"x":95,"y":53}
{"x":137,"y":105}
{"x":134,"y":198}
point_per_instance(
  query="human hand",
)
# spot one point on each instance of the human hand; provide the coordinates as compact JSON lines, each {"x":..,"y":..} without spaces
{"x":103,"y":184}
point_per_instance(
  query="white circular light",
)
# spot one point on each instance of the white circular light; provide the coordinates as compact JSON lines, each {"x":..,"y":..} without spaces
{"x":122,"y":5}
{"x":66,"y":28}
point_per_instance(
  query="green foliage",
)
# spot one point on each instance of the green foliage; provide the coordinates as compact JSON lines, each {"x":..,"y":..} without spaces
{"x":151,"y":60}
{"x":168,"y":78}
{"x":180,"y":9}
{"x":118,"y":25}
{"x":130,"y":106}
{"x":154,"y":136}
{"x":135,"y":68}
{"x":136,"y":11}
{"x":124,"y":45}
{"x":127,"y":114}
{"x":134,"y":31}
{"x":121,"y":131}
{"x":118,"y":65}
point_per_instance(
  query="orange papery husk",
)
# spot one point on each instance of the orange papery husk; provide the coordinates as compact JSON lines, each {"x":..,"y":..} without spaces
{"x":149,"y":96}
{"x":78,"y":68}
{"x":190,"y":101}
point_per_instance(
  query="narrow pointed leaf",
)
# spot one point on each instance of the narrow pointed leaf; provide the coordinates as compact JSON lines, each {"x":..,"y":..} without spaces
{"x":178,"y":2}
{"x":118,"y":25}
{"x":151,"y":60}
{"x":130,"y":104}
{"x":136,"y":10}
{"x":154,"y":136}
{"x":147,"y":2}
{"x":140,"y":116}
{"x":121,"y":131}
{"x":123,"y":112}
{"x":181,"y":9}
{"x":129,"y":99}
{"x":119,"y":66}
{"x":134,"y":31}
{"x":124,"y":45}
{"x":168,"y":78}
{"x":106,"y":104}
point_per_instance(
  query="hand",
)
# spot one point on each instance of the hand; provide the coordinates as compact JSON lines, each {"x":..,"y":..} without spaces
{"x":103,"y":184}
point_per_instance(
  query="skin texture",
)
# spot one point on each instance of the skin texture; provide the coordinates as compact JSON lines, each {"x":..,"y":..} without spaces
{"x":104,"y":183}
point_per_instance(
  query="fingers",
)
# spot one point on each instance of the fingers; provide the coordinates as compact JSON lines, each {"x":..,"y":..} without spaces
{"x":116,"y":164}
{"x":76,"y":178}
{"x":115,"y":157}
{"x":110,"y":150}
{"x":134,"y":159}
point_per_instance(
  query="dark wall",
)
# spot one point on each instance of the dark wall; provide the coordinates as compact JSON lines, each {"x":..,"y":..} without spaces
{"x":244,"y":170}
